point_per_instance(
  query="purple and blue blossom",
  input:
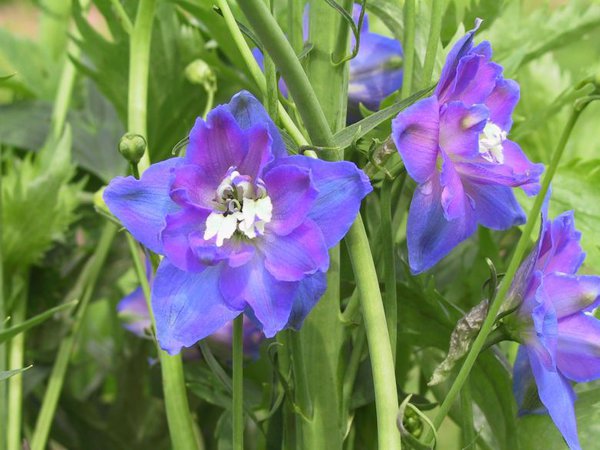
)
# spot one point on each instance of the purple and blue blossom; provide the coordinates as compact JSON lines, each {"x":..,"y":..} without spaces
{"x":374,"y":73}
{"x":243,"y":227}
{"x":560,"y":337}
{"x":455,"y":145}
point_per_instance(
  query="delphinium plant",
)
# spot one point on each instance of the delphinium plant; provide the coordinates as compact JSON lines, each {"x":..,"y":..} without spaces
{"x":290,"y":224}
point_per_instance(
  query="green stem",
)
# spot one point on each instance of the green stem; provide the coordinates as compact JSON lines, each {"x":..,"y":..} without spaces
{"x":389,"y":263}
{"x":382,"y":362}
{"x":316,"y":124}
{"x":53,"y":24}
{"x":15,"y":383}
{"x":256,"y":72}
{"x":515,"y":261}
{"x":353,"y":365}
{"x":181,"y":425}
{"x":3,"y":314}
{"x":466,"y":414}
{"x":238,"y":383}
{"x":409,"y":47}
{"x":210,"y":99}
{"x":122,"y":16}
{"x":86,"y":284}
{"x":139,"y":62}
{"x":435,"y":27}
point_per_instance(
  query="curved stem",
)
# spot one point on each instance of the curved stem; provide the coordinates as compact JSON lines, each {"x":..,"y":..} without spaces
{"x":435,"y":27}
{"x":3,"y":314}
{"x":515,"y":261}
{"x":275,"y":42}
{"x":238,"y":383}
{"x":409,"y":46}
{"x":256,"y":72}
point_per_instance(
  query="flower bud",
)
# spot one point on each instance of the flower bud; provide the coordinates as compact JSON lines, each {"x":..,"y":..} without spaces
{"x":199,"y":72}
{"x":132,"y":147}
{"x":99,"y":202}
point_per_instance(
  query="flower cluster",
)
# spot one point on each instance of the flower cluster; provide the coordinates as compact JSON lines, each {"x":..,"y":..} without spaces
{"x":561,"y":339}
{"x":243,"y":227}
{"x":454,"y":144}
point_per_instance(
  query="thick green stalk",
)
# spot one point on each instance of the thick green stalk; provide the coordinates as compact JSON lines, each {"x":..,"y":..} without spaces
{"x":515,"y":261}
{"x":409,"y":47}
{"x":15,"y":361}
{"x":382,"y":362}
{"x":275,"y":42}
{"x":139,"y":62}
{"x":57,"y":376}
{"x":238,"y":383}
{"x":256,"y":72}
{"x":3,"y":313}
{"x":435,"y":27}
{"x":54,"y":21}
{"x":389,"y":263}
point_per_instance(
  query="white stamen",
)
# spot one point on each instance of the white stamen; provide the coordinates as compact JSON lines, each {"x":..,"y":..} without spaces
{"x":490,"y":143}
{"x":237,"y":208}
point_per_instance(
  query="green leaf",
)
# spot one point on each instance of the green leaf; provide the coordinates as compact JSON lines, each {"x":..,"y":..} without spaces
{"x":348,"y":135}
{"x":575,"y":187}
{"x":8,"y":333}
{"x":38,"y":202}
{"x":10,"y":373}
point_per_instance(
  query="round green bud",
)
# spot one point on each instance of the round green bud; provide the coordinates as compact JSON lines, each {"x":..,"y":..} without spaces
{"x":132,"y":147}
{"x":199,"y":72}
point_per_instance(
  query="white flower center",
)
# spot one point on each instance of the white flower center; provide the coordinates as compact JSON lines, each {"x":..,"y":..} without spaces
{"x":241,"y":206}
{"x":490,"y":143}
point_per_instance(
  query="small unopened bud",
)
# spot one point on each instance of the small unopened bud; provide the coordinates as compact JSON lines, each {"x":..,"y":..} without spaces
{"x":132,"y":147}
{"x":199,"y":72}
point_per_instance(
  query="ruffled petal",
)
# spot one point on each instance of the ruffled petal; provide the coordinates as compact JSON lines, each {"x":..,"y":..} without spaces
{"x":502,"y":102}
{"x":561,"y":250}
{"x":557,"y":395}
{"x":248,"y":112}
{"x":142,"y":205}
{"x":176,"y":240}
{"x":294,"y":256}
{"x":416,"y":132}
{"x":310,"y":290}
{"x":475,"y":79}
{"x":572,"y":293}
{"x":460,"y":127}
{"x":516,"y":171}
{"x":462,"y":48}
{"x":292,"y":194}
{"x":270,"y":300}
{"x":259,"y":151}
{"x":187,"y":306}
{"x":578,"y":348}
{"x":192,"y":187}
{"x":430,"y":236}
{"x":495,"y":206}
{"x":341,"y":187}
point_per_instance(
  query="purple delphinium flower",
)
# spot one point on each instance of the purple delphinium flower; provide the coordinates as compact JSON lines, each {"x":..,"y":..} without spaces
{"x":243,"y":226}
{"x":454,"y":145}
{"x":375,"y":72}
{"x":560,"y":338}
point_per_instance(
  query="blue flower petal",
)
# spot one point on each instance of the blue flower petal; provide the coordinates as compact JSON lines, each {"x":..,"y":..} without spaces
{"x":187,"y":306}
{"x":341,"y":186}
{"x":557,"y":395}
{"x":578,"y":347}
{"x":430,"y":236}
{"x":495,"y":206}
{"x":142,"y":205}
{"x":310,"y":290}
